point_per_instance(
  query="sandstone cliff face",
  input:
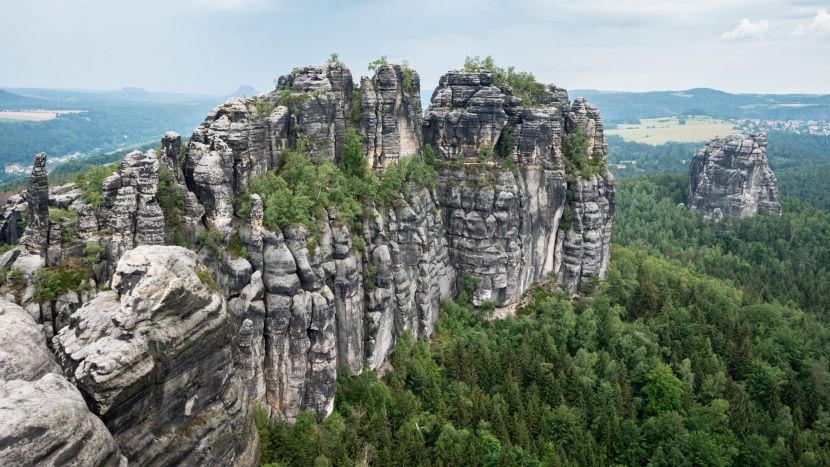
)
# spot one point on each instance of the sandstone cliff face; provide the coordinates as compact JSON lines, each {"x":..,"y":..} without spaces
{"x":303,"y":305}
{"x":391,"y":114}
{"x":153,"y":359}
{"x":45,"y":420}
{"x":13,"y":213}
{"x":306,"y":311}
{"x":730,"y":176}
{"x":503,"y":227}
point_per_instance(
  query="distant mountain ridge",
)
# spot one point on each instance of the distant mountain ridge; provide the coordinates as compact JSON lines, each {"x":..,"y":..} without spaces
{"x":618,"y":106}
{"x":112,"y":119}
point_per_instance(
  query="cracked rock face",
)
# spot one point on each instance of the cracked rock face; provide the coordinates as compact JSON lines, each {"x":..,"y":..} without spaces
{"x":503,"y":225}
{"x":10,"y":230}
{"x":155,"y":360}
{"x":730,"y":176}
{"x":45,"y":420}
{"x":36,"y":235}
{"x":129,"y":210}
{"x":173,"y":366}
{"x":391,"y":114}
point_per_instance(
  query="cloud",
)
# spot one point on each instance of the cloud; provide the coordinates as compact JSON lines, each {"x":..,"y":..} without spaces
{"x":746,"y":30}
{"x":819,"y":27}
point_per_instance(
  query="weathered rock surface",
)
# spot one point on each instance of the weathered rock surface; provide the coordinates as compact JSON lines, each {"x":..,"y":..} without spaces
{"x":45,"y":420}
{"x":326,"y":305}
{"x":129,"y":210}
{"x":13,"y":213}
{"x":503,"y":225}
{"x":730,"y":176}
{"x":155,"y":360}
{"x":585,"y":249}
{"x":153,"y":357}
{"x":36,"y":235}
{"x":391,"y":114}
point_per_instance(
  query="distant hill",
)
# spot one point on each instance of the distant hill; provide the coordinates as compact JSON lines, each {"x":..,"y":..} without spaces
{"x":111,"y":120}
{"x":617,"y":107}
{"x":243,"y":91}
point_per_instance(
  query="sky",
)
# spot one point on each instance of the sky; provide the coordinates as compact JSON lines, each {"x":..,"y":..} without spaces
{"x":214,"y":46}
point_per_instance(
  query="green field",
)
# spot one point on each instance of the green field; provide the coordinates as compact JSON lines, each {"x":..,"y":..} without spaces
{"x":656,"y":131}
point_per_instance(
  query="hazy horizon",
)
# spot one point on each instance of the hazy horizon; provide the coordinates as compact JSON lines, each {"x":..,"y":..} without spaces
{"x":214,"y":46}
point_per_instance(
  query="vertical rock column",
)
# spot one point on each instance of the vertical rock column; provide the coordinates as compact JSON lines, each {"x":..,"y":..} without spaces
{"x":731,"y":176}
{"x":171,"y":146}
{"x":36,"y":235}
{"x":391,"y":114}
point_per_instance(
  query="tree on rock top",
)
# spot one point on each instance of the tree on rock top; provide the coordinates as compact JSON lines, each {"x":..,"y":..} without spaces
{"x":523,"y":83}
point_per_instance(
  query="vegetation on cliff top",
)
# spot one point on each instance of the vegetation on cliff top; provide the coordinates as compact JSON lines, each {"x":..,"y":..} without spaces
{"x":302,"y":189}
{"x":524,"y":84}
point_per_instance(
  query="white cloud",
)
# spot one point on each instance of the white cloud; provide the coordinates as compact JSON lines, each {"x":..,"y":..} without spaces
{"x":818,"y":27}
{"x":746,"y":30}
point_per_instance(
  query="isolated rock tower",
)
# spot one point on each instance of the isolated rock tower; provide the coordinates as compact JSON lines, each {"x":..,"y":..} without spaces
{"x":730,"y":176}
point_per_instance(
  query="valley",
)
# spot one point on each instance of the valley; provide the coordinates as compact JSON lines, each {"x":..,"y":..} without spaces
{"x":684,"y":129}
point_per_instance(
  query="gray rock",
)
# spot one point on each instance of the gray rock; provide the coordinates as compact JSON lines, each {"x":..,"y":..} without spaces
{"x":36,"y":235}
{"x":502,"y":227}
{"x":304,"y":304}
{"x":45,"y":419}
{"x":171,"y":146}
{"x":155,"y":357}
{"x":391,"y":114}
{"x":10,"y":229}
{"x":732,"y":175}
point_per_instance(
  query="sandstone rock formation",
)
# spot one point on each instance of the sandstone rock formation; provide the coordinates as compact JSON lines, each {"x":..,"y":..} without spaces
{"x":154,"y":358}
{"x":36,"y":235}
{"x":129,"y":210}
{"x":44,"y":420}
{"x":13,"y":214}
{"x":730,"y":176}
{"x":391,"y":114}
{"x":505,"y":229}
{"x":512,"y":205}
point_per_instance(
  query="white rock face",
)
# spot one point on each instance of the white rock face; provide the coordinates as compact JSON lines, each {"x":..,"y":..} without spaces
{"x":44,"y":420}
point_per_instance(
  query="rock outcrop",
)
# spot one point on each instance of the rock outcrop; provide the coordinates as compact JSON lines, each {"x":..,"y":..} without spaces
{"x":44,"y":419}
{"x":36,"y":235}
{"x":13,"y":213}
{"x":173,"y":361}
{"x":390,"y":104}
{"x":730,"y":176}
{"x":154,"y":358}
{"x":504,"y":226}
{"x":129,"y":209}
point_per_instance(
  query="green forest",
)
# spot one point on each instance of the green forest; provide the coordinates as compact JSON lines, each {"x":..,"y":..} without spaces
{"x":706,"y":345}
